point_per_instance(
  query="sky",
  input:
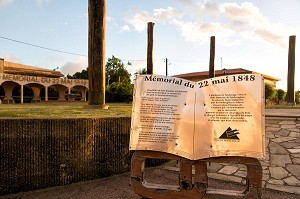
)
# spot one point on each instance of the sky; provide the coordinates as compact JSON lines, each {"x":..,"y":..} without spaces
{"x":252,"y":35}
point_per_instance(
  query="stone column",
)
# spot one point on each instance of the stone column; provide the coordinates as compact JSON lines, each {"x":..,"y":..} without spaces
{"x":61,"y":93}
{"x":46,"y":93}
{"x":83,"y":94}
{"x":212,"y":57}
{"x":1,"y":65}
{"x":22,"y":94}
{"x":291,"y":72}
{"x":8,"y":88}
{"x":36,"y":94}
{"x":150,"y":48}
{"x":96,"y":52}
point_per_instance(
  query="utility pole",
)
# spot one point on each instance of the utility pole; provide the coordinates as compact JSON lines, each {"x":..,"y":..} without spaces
{"x":96,"y":51}
{"x":150,"y":48}
{"x":291,"y":71}
{"x":212,"y":57}
{"x":166,"y":66}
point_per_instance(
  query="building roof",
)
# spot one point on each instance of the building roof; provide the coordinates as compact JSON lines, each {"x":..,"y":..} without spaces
{"x":205,"y":74}
{"x":21,"y":69}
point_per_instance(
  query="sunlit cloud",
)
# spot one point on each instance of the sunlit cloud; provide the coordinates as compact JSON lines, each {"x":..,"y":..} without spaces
{"x":74,"y":66}
{"x":229,"y":22}
{"x":139,"y":20}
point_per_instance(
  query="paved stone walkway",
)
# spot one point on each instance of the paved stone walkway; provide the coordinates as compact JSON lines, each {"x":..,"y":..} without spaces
{"x":282,"y":164}
{"x":281,"y":167}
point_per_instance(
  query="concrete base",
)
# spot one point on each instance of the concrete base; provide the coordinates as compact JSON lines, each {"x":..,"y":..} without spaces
{"x":36,"y":100}
{"x":8,"y":101}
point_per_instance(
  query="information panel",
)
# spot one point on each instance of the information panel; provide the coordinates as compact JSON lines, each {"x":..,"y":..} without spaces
{"x":222,"y":116}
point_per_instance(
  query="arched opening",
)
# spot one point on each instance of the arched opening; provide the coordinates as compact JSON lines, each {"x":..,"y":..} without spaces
{"x":27,"y":93}
{"x":61,"y":90}
{"x":80,"y":93}
{"x":52,"y":93}
{"x":2,"y":92}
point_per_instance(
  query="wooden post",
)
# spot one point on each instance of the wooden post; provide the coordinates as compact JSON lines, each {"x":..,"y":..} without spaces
{"x":150,"y":48}
{"x":212,"y":57}
{"x":291,"y":71}
{"x":96,"y":52}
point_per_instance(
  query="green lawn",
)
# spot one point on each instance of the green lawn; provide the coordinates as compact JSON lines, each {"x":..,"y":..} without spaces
{"x":63,"y":110}
{"x":70,"y":109}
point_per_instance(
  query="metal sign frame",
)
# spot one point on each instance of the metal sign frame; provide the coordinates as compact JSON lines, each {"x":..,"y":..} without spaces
{"x":196,"y":186}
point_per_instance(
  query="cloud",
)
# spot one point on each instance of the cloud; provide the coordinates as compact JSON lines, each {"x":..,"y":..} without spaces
{"x":74,"y":66}
{"x":229,"y":22}
{"x":42,"y":2}
{"x":11,"y":58}
{"x":125,"y":29}
{"x":271,"y":37}
{"x":140,"y":19}
{"x":165,"y":15}
{"x":4,"y":3}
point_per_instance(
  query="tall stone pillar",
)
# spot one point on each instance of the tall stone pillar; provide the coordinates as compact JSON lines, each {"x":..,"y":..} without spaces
{"x":96,"y":52}
{"x":291,"y":71}
{"x":150,"y":48}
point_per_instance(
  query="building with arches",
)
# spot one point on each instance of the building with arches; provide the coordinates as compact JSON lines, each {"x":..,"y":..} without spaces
{"x":14,"y":74}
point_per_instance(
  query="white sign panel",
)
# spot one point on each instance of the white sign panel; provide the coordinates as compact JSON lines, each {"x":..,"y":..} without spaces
{"x":222,"y":116}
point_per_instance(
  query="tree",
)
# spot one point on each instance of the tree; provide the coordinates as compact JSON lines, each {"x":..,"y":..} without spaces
{"x":297,"y":97}
{"x":280,"y":95}
{"x":118,"y":83}
{"x":269,"y":92}
{"x":116,"y":71}
{"x":79,"y":75}
{"x":119,"y":87}
{"x":142,"y":71}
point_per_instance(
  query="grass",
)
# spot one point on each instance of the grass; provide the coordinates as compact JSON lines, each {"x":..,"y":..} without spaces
{"x":62,"y":110}
{"x":70,"y":109}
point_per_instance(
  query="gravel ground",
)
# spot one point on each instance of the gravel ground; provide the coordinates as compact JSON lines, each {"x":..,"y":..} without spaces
{"x":118,"y":186}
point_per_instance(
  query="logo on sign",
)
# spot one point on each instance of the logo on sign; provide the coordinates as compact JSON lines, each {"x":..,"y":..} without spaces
{"x":229,"y":135}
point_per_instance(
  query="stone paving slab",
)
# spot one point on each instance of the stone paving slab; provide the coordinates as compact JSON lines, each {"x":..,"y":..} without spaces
{"x":281,"y":167}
